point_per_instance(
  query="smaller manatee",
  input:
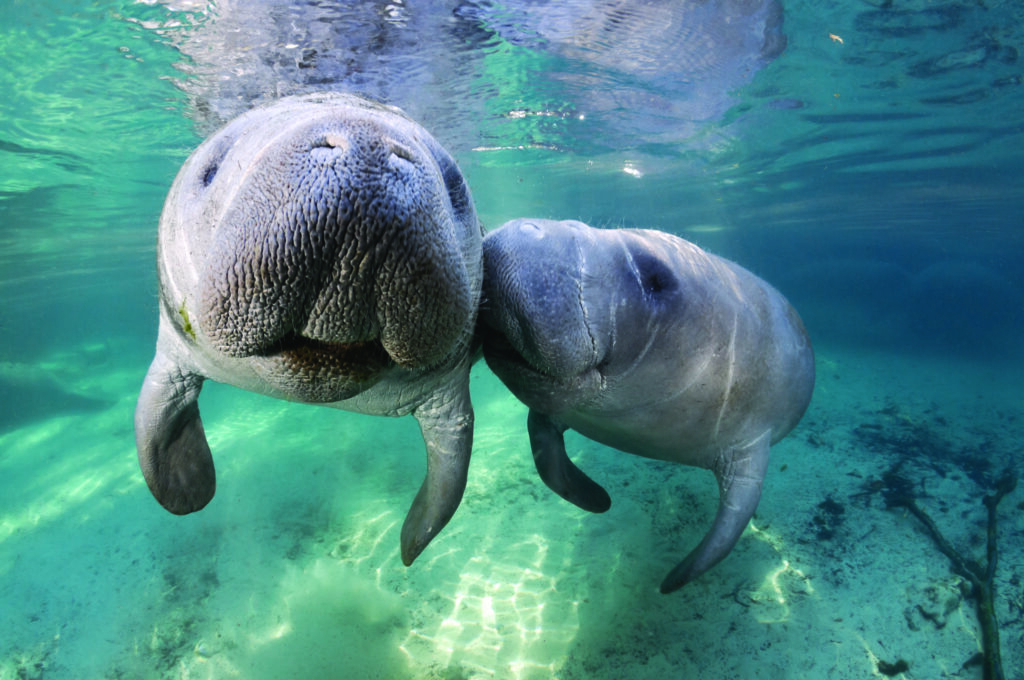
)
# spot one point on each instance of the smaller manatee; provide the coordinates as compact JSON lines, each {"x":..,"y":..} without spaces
{"x":322,"y":249}
{"x":642,"y":341}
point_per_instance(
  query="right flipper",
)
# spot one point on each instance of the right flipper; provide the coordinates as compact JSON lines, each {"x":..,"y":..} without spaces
{"x":740,"y":473}
{"x":558,"y":472}
{"x":173,"y":452}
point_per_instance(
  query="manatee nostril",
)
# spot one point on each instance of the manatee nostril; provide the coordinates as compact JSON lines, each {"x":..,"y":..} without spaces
{"x":401,"y":151}
{"x":531,"y":229}
{"x":458,"y":192}
{"x":332,"y":140}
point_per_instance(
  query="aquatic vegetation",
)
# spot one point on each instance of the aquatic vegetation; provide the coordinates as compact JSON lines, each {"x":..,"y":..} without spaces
{"x":186,"y":322}
{"x":828,"y":518}
{"x":32,"y":664}
{"x":926,"y":442}
{"x":891,"y":669}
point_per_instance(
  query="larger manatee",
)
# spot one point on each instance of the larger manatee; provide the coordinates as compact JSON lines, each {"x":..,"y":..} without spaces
{"x":322,"y":249}
{"x":642,"y":341}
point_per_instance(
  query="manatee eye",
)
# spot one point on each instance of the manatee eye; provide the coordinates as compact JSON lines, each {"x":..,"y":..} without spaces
{"x":213,"y":162}
{"x":210,"y":173}
{"x":654,"y":276}
{"x":458,"y":192}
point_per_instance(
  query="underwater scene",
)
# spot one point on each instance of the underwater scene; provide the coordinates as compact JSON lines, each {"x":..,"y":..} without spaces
{"x":864,"y":158}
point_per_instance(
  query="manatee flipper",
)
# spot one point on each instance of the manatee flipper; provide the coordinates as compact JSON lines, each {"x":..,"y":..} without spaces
{"x":557,"y":470}
{"x":740,"y":472}
{"x":173,"y":452}
{"x":446,"y":421}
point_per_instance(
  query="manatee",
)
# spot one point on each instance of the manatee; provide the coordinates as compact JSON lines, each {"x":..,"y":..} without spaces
{"x":642,"y":341}
{"x":323,"y":249}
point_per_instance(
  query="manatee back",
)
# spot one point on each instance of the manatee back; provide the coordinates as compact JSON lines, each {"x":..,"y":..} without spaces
{"x":759,"y":355}
{"x":705,"y":356}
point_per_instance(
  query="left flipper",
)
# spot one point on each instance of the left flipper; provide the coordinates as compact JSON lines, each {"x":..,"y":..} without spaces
{"x":557,"y":470}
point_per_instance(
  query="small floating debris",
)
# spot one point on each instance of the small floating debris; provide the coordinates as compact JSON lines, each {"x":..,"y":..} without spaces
{"x":203,"y":650}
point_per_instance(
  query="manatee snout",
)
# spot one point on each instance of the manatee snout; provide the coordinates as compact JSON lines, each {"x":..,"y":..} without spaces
{"x":532,"y":284}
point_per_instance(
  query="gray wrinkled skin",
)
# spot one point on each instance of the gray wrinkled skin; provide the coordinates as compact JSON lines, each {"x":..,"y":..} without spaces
{"x":643,"y":342}
{"x":322,"y":249}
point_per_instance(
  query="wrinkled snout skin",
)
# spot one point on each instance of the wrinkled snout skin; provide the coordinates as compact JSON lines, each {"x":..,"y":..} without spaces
{"x":323,"y":249}
{"x":328,"y":240}
{"x":642,"y":341}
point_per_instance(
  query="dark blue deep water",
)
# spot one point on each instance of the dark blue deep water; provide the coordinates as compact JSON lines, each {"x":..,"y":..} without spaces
{"x":865,"y":157}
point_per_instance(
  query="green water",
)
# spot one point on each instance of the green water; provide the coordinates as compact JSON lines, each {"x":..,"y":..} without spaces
{"x":875,"y":181}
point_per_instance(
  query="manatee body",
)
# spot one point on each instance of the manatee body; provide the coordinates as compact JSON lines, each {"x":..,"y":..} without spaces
{"x":643,"y":342}
{"x":323,"y":249}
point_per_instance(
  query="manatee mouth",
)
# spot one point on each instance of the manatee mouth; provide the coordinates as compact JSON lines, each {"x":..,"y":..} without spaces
{"x":536,"y":387}
{"x":322,"y":372}
{"x":504,"y":357}
{"x":497,"y":347}
{"x":492,"y":338}
{"x":514,"y":367}
{"x":356,"y":360}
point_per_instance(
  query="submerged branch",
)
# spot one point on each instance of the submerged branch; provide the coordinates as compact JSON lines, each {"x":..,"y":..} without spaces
{"x":982,"y":580}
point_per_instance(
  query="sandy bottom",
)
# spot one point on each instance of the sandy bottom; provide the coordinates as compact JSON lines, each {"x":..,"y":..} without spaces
{"x":293,"y":571}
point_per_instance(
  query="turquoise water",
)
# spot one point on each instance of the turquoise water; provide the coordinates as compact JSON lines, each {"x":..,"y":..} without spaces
{"x":870,"y":170}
